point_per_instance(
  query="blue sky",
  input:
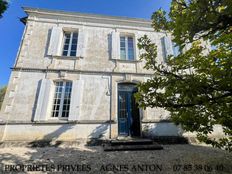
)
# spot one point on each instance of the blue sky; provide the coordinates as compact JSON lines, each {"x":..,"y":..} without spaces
{"x":11,"y":28}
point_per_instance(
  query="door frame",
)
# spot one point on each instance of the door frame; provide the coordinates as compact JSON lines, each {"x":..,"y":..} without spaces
{"x":139,"y":110}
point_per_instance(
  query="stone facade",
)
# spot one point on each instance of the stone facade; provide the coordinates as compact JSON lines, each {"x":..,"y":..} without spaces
{"x":95,"y":71}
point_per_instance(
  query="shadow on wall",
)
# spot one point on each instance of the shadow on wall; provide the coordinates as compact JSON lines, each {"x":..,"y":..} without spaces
{"x":164,"y":133}
{"x":109,"y":38}
{"x":51,"y":138}
{"x":47,"y":42}
{"x":36,"y":99}
{"x":97,"y":135}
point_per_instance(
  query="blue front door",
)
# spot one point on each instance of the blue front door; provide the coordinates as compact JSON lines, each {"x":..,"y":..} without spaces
{"x":128,"y":112}
{"x":124,"y":112}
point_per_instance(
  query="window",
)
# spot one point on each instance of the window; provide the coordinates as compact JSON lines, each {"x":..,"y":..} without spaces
{"x":70,"y":44}
{"x":169,"y":48}
{"x":176,"y":49}
{"x":127,"y":48}
{"x":62,"y":98}
{"x":164,"y":48}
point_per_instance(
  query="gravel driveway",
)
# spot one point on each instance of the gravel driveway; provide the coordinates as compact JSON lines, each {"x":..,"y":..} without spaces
{"x":84,"y":159}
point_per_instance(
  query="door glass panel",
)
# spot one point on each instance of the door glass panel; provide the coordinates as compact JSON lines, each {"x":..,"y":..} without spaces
{"x":122,"y":105}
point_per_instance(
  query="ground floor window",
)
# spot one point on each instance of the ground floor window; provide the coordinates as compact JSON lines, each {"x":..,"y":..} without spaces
{"x":62,"y":97}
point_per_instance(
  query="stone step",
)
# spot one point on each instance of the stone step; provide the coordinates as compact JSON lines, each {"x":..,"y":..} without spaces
{"x":153,"y":146}
{"x":131,"y":142}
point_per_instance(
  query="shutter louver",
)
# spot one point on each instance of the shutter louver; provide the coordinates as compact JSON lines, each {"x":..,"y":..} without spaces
{"x":43,"y":100}
{"x":55,"y":41}
{"x":137,"y":51}
{"x":115,"y":46}
{"x":82,"y":43}
{"x":76,"y":96}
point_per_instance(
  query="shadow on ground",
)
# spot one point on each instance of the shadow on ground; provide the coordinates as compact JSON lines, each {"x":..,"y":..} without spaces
{"x":58,"y":158}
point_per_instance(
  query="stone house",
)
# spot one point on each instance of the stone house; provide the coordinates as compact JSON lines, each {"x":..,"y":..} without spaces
{"x":75,"y":75}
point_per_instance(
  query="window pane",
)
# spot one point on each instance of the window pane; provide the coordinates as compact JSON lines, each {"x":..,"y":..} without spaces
{"x":67,"y":40}
{"x":176,"y":49}
{"x":65,"y":53}
{"x":74,"y":40}
{"x":130,"y":42}
{"x":57,"y":99}
{"x":130,"y":54}
{"x":130,"y":48}
{"x":123,"y":54}
{"x":75,"y":35}
{"x":122,"y":42}
{"x":67,"y":35}
{"x":74,"y":47}
{"x":122,"y":48}
{"x":73,"y":53}
{"x":66,"y":47}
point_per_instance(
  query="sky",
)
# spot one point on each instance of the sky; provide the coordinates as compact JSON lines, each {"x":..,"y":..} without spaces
{"x":11,"y":28}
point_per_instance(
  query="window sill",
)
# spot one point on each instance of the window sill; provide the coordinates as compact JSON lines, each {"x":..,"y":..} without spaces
{"x":126,"y":61}
{"x":74,"y":122}
{"x":21,"y":122}
{"x":66,"y":57}
{"x":55,"y":121}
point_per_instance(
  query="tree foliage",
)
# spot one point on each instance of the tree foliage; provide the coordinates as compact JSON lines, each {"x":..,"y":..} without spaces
{"x":195,"y":87}
{"x":2,"y":94}
{"x":3,"y":7}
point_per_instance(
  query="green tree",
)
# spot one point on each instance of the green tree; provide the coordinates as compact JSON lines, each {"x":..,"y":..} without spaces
{"x":3,"y":7}
{"x":196,"y":88}
{"x":2,"y":94}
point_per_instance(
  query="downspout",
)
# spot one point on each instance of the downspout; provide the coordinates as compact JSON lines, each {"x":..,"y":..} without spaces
{"x":110,"y":107}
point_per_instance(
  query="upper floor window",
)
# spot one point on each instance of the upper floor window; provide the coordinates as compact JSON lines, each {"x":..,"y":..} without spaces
{"x":176,"y":49}
{"x":127,"y":48}
{"x":62,"y":97}
{"x":169,"y":48}
{"x":70,"y":44}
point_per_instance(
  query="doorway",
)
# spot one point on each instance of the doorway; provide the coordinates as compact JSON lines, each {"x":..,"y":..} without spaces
{"x":128,"y":111}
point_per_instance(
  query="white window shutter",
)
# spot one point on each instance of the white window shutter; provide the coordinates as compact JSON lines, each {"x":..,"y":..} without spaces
{"x":43,"y":100}
{"x":137,"y":51}
{"x":76,"y":97}
{"x":82,"y":43}
{"x":55,"y":41}
{"x":115,"y":46}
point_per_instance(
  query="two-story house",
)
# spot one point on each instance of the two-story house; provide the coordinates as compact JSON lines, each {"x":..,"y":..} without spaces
{"x":75,"y":75}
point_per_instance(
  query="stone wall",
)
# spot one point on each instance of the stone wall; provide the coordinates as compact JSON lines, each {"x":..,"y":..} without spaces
{"x":99,"y":72}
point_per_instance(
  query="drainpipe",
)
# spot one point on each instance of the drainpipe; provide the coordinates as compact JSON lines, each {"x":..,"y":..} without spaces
{"x":109,"y":93}
{"x":110,"y":106}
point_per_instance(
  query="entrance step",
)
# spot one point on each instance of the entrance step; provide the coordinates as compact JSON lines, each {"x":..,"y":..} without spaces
{"x":131,"y":142}
{"x":154,"y":146}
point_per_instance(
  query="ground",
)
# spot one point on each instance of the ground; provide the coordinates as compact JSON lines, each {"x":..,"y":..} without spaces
{"x":79,"y":158}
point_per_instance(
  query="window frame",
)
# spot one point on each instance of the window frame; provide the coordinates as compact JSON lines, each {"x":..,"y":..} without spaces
{"x":127,"y":47}
{"x":70,"y":43}
{"x":62,"y":98}
{"x":165,"y":45}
